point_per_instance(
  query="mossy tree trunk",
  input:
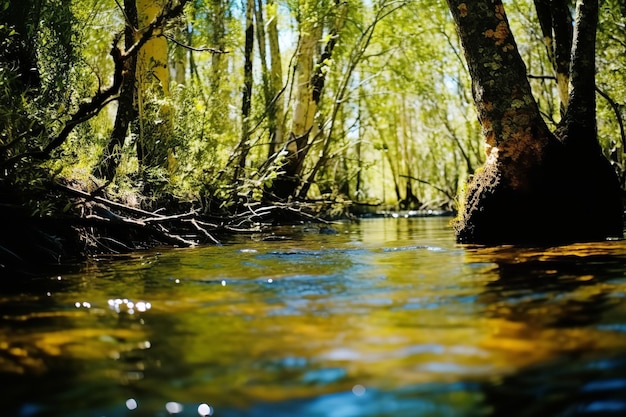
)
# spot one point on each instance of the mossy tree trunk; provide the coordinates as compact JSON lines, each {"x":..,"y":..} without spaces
{"x":536,"y":186}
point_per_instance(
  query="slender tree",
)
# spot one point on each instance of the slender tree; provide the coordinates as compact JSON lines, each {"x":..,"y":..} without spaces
{"x":246,"y":97}
{"x":154,"y":129}
{"x":126,"y":102}
{"x":356,"y":55}
{"x":276,"y":107}
{"x":310,"y":77}
{"x":556,"y":27}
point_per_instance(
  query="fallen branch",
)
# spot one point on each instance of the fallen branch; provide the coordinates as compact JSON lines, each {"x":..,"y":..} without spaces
{"x":207,"y":234}
{"x":107,"y":202}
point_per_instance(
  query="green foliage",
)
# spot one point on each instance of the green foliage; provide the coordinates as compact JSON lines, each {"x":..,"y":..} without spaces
{"x":611,"y":81}
{"x":396,"y":111}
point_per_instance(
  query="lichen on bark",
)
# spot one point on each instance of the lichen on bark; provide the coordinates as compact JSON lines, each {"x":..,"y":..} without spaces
{"x":536,"y":186}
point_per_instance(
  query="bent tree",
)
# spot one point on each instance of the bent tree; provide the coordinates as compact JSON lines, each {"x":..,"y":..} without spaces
{"x":536,"y":186}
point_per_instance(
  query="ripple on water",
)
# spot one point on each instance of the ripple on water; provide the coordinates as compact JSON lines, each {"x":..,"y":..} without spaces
{"x":393,"y":319}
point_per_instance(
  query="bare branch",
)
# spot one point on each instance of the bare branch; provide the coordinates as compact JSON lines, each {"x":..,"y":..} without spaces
{"x":194,"y":49}
{"x":441,"y":190}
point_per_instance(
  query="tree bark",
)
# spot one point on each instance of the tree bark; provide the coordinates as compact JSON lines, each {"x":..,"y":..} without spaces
{"x":304,"y":109}
{"x":556,"y":25}
{"x":310,"y":81}
{"x":126,"y":109}
{"x":246,"y":97}
{"x":536,"y":186}
{"x":277,"y":109}
{"x":153,"y":79}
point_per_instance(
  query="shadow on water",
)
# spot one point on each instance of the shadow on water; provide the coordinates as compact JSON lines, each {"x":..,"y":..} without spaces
{"x":563,"y":301}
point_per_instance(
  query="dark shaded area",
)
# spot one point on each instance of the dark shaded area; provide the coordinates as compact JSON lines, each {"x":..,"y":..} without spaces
{"x":19,"y":50}
{"x":568,"y":387}
{"x":577,"y":383}
{"x":34,"y":246}
{"x":572,"y":195}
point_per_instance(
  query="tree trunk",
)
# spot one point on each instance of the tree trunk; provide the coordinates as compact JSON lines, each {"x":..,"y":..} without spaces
{"x":535,"y":186}
{"x":310,"y":80}
{"x":246,"y":97}
{"x":277,"y":109}
{"x":261,"y":37}
{"x":217,"y":20}
{"x":304,"y":110}
{"x":342,"y":90}
{"x":153,"y":79}
{"x":181,"y":55}
{"x":556,"y":25}
{"x":126,"y":109}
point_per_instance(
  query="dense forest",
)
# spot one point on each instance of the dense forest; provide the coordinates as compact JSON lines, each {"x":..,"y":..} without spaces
{"x":188,"y":118}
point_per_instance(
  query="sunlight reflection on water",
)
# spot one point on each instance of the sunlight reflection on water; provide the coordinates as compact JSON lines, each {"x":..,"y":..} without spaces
{"x":385,"y":317}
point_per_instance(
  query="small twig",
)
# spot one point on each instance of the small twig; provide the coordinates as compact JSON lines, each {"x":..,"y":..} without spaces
{"x":115,"y":219}
{"x":162,"y":218}
{"x":240,"y":230}
{"x":206,"y":224}
{"x":447,"y":194}
{"x":172,"y":237}
{"x":541,"y":77}
{"x":307,"y":215}
{"x":114,"y":241}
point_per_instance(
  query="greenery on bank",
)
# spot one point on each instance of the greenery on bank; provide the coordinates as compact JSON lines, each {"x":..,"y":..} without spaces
{"x":300,"y":107}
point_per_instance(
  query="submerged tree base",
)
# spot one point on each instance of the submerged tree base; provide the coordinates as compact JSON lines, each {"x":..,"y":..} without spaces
{"x":569,"y":195}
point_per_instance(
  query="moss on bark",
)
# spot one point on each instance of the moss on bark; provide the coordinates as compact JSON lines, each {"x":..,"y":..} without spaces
{"x":569,"y":196}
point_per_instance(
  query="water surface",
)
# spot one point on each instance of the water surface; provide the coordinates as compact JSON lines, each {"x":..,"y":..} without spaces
{"x":384,"y":317}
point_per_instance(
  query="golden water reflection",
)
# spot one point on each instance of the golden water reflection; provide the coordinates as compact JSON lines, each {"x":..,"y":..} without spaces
{"x":374,"y":309}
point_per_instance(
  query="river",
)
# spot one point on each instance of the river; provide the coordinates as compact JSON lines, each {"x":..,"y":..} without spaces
{"x":381,"y":317}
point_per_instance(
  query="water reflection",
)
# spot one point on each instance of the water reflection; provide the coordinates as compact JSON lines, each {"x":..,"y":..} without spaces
{"x":386,"y":317}
{"x":565,"y":287}
{"x":578,"y":385}
{"x":557,"y":306}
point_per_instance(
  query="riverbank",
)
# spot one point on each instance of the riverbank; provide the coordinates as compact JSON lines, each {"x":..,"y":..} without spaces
{"x":77,"y":225}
